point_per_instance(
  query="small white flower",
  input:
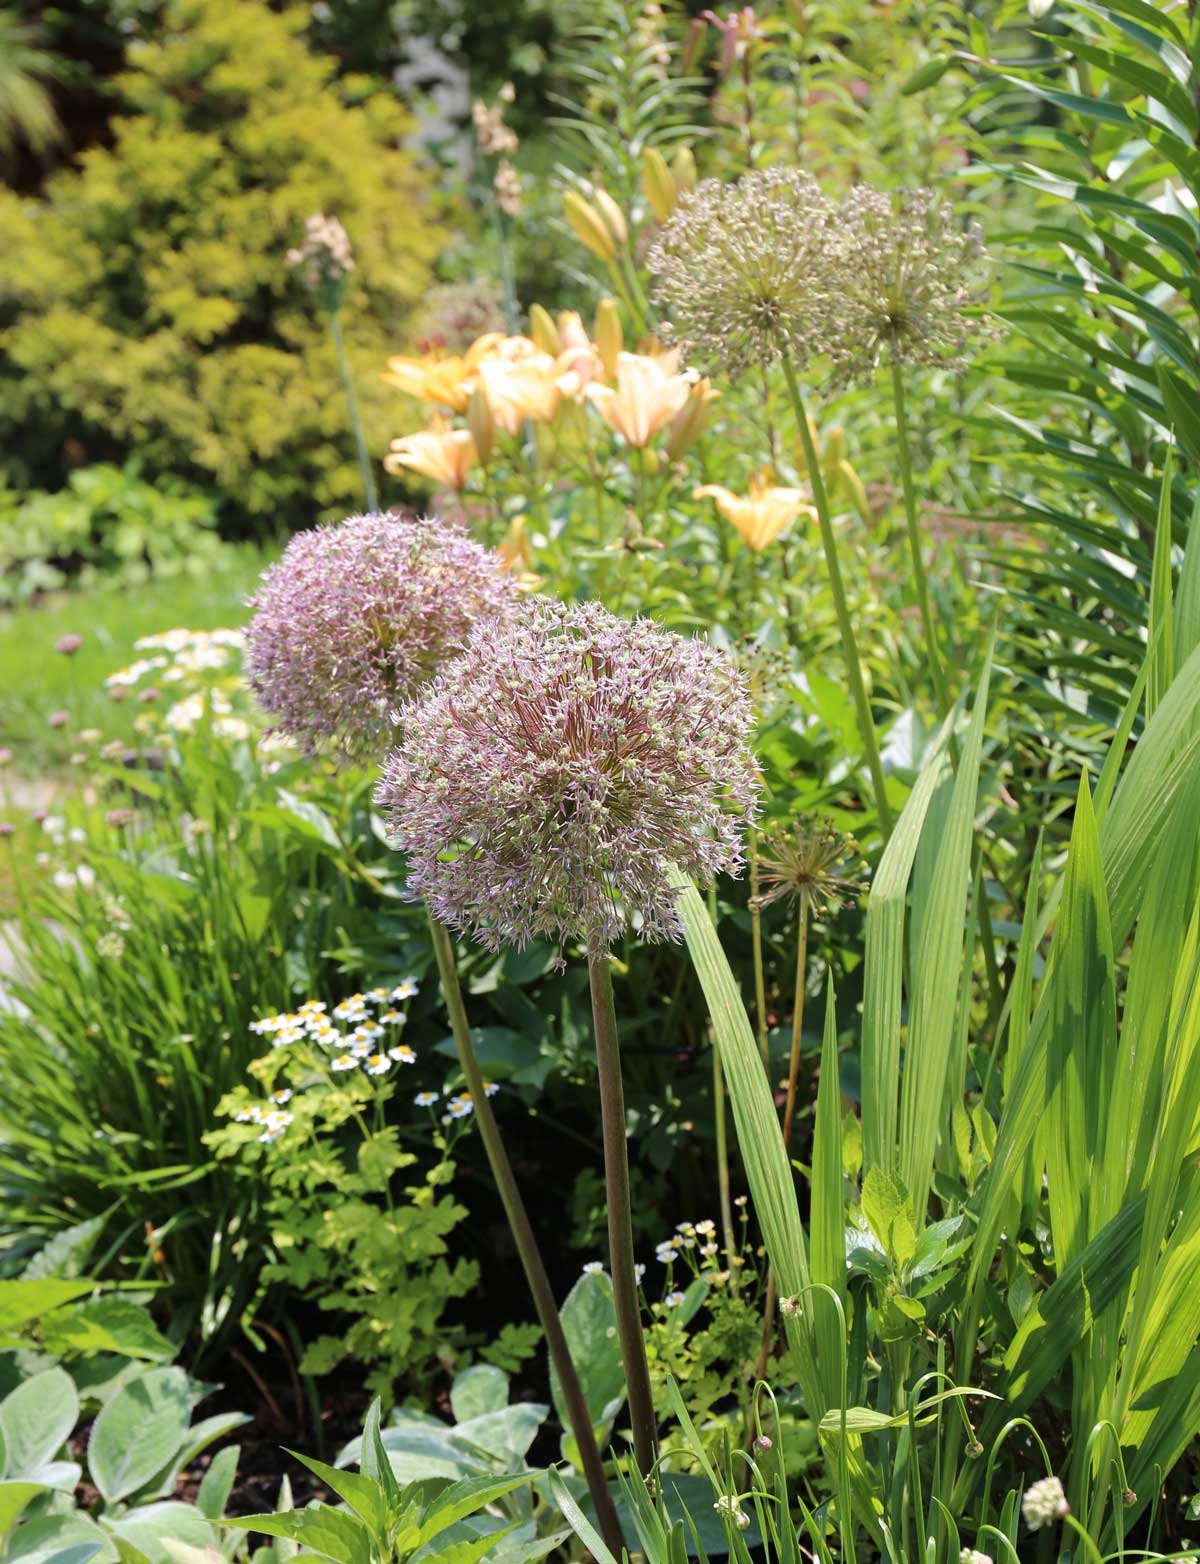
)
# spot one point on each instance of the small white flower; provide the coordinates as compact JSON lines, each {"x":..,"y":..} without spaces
{"x":425,"y":1099}
{"x":729,"y":1505}
{"x":490,"y":1088}
{"x":280,"y":1097}
{"x":377,"y":995}
{"x":343,"y":1062}
{"x":705,"y":1228}
{"x":352,"y":1009}
{"x":709,"y":1250}
{"x":378,"y":1064}
{"x":392,"y":1018}
{"x":264,"y":1024}
{"x":1044,"y":1503}
{"x":314,"y":1007}
{"x":673,"y":1300}
{"x":274,"y":1125}
{"x":286,"y":1035}
{"x":461,"y":1106}
{"x":638,"y":1272}
{"x":594,"y":1268}
{"x":402,"y":991}
{"x":64,"y":880}
{"x":251,"y":1115}
{"x":404,"y":1055}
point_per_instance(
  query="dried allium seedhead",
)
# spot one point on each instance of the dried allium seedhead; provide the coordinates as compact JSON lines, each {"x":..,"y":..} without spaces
{"x":742,"y":269}
{"x":810,"y":856}
{"x":908,"y":279}
{"x":547,"y":779}
{"x":355,"y":618}
{"x":324,"y":259}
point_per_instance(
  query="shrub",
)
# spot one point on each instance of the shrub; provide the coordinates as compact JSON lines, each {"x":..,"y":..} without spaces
{"x":147,"y":304}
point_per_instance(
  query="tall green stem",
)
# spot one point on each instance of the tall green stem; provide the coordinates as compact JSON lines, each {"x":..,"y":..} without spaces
{"x":866,"y":724}
{"x":620,"y":1216}
{"x":914,"y":541}
{"x":756,"y":951}
{"x":360,"y":443}
{"x":527,"y":1248}
{"x":720,"y":1124}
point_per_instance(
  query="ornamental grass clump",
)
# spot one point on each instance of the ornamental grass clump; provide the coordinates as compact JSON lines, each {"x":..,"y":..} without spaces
{"x":545,"y":784}
{"x":355,"y":618}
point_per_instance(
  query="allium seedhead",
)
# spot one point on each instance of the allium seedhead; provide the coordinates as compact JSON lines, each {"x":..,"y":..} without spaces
{"x":324,"y":259}
{"x":810,"y":856}
{"x":907,"y":277}
{"x":742,"y":270}
{"x":547,"y":779}
{"x":355,"y":618}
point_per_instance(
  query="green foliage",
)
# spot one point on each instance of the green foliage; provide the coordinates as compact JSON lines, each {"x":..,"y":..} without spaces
{"x":146,"y":305}
{"x":27,"y":113}
{"x":352,"y":1181}
{"x":107,"y":522}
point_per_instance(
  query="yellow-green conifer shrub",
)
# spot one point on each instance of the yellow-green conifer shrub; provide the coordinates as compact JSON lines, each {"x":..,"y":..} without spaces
{"x":145,"y":304}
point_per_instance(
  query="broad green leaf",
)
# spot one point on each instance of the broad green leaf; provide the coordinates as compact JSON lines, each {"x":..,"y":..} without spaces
{"x":507,"y":1434}
{"x":481,"y":1388}
{"x":1162,"y":635}
{"x":464,"y":1498}
{"x":36,"y":1420}
{"x":138,"y":1432}
{"x":329,"y":1533}
{"x":52,"y":1538}
{"x":217,"y":1483}
{"x":147,"y":1528}
{"x":363,"y":1495}
{"x":589,"y":1322}
{"x":106,"y":1325}
{"x":14,"y":1496}
{"x":23,"y":1301}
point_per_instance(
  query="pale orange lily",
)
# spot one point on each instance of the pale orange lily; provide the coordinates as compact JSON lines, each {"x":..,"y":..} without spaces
{"x":526,"y":387}
{"x":647,"y":396}
{"x":444,"y":454}
{"x":761,"y":515}
{"x":448,"y":381}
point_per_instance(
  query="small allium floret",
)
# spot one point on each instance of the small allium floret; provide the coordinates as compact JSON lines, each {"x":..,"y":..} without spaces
{"x":1044,"y":1503}
{"x":355,"y":618}
{"x":548,"y":778}
{"x":908,"y":280}
{"x":742,"y":269}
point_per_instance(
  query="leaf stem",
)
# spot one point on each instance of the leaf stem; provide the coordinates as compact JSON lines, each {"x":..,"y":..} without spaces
{"x":523,"y":1236}
{"x":620,"y":1216}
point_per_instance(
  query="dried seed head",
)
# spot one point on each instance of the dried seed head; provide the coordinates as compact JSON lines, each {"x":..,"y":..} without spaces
{"x":356,"y":617}
{"x":547,"y":779}
{"x":324,"y":259}
{"x":908,"y":280}
{"x":742,"y":269}
{"x":811,"y":855}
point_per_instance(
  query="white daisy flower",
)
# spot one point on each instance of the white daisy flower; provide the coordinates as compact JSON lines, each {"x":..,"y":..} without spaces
{"x":402,"y":991}
{"x":378,"y":1064}
{"x":425,"y":1099}
{"x":343,"y":1062}
{"x":404,"y":1055}
{"x":594,"y":1268}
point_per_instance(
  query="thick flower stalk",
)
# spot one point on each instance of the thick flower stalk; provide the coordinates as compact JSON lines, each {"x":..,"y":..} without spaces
{"x":742,"y":273}
{"x":544,"y":785}
{"x":355,"y":618}
{"x":546,"y":780}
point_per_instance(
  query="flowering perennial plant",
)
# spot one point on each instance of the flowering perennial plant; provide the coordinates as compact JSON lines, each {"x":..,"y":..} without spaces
{"x":742,"y":271}
{"x":548,"y":778}
{"x":354,"y":619}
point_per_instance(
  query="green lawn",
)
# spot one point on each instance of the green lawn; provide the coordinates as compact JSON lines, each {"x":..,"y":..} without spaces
{"x":36,"y":681}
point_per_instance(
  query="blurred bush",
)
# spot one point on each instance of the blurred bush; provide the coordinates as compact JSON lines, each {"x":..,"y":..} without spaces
{"x":146,"y":304}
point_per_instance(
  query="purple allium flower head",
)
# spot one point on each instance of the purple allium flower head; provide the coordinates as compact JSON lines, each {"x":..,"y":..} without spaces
{"x":68,"y":645}
{"x":548,"y":777}
{"x":355,"y":618}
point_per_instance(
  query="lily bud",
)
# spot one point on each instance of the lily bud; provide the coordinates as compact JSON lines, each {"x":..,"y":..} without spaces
{"x":834,"y":449}
{"x":613,"y":216}
{"x":589,"y":227}
{"x":543,"y":330}
{"x":683,"y":170}
{"x":482,"y":423}
{"x":657,"y":184}
{"x":608,"y":336}
{"x":691,"y":420}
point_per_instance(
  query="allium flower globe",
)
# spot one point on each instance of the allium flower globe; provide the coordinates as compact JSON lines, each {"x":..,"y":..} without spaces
{"x":547,"y":779}
{"x":1044,"y":1503}
{"x":742,"y":268}
{"x":907,"y":278}
{"x":355,"y":618}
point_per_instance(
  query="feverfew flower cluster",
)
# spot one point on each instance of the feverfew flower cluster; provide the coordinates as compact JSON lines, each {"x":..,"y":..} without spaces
{"x":548,"y":778}
{"x":355,"y":618}
{"x":202,"y":668}
{"x":358,"y":1032}
{"x":695,"y":1245}
{"x":765,"y":268}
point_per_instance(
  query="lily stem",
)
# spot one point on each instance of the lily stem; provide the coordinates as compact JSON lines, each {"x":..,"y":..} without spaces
{"x":527,"y":1246}
{"x":620,"y":1216}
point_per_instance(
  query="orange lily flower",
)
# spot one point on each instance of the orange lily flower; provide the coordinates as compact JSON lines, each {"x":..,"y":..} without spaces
{"x":761,"y":515}
{"x":447,"y":381}
{"x":444,"y":454}
{"x":648,"y":394}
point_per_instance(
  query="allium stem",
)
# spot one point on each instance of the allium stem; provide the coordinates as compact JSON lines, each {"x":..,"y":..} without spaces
{"x":527,"y":1247}
{"x":724,"y":1190}
{"x":866,"y":724}
{"x":360,"y":443}
{"x":914,"y":538}
{"x":620,"y":1216}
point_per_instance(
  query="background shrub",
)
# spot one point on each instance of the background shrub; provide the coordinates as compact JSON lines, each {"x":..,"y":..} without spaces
{"x":145,"y":303}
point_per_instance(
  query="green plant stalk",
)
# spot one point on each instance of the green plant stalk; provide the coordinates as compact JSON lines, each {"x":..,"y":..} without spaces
{"x":360,"y":443}
{"x":756,"y":949}
{"x":620,"y":1216}
{"x":523,"y":1236}
{"x":789,"y":1110}
{"x":720,"y":1124}
{"x":866,"y":724}
{"x":904,"y":454}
